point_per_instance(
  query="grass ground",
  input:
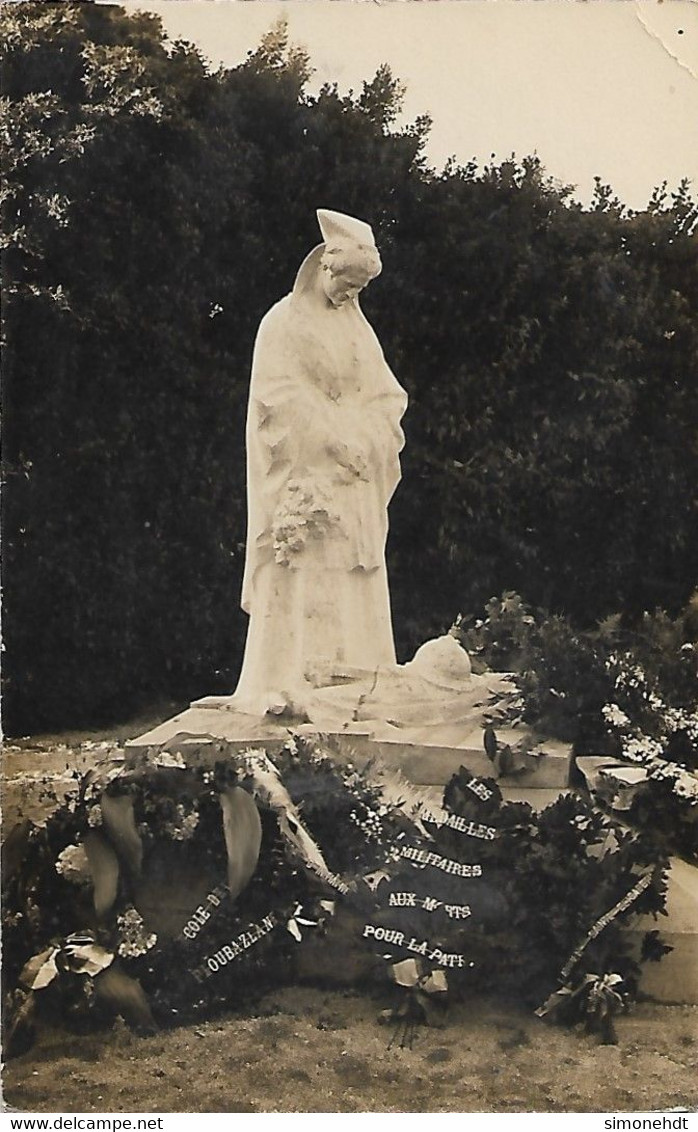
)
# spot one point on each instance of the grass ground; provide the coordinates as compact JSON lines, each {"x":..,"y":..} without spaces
{"x":303,"y":1049}
{"x":306,"y":1050}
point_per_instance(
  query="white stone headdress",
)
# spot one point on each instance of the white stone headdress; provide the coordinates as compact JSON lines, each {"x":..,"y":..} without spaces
{"x":349,"y":245}
{"x":346,"y":240}
{"x":339,"y":229}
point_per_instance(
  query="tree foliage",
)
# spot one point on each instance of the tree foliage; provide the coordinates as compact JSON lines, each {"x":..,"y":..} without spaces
{"x":153,"y":211}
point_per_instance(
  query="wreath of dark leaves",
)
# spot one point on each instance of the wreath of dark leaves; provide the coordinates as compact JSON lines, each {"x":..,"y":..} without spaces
{"x":546,"y":879}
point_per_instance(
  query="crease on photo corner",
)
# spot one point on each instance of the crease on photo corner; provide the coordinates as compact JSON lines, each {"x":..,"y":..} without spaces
{"x":660,"y":36}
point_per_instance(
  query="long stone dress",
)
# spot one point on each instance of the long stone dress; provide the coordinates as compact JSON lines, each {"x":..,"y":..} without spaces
{"x":323,"y":444}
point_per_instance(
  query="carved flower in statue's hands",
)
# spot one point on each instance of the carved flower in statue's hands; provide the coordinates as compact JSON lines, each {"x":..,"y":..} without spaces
{"x":304,"y":512}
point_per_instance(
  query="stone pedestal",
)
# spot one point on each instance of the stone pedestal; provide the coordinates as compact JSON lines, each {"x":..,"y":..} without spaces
{"x":675,"y":978}
{"x":209,"y":730}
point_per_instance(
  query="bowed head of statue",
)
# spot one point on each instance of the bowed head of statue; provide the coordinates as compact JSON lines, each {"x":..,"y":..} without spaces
{"x":344,"y":263}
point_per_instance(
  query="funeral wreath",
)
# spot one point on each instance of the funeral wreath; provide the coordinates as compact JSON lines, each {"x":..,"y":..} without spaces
{"x":166,"y":892}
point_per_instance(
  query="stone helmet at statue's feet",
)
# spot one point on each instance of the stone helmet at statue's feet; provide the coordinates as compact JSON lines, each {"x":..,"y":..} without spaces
{"x":442,"y":662}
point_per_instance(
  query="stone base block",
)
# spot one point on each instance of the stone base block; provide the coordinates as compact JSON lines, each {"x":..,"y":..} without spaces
{"x":675,"y":978}
{"x":207,"y":732}
{"x":431,"y":765}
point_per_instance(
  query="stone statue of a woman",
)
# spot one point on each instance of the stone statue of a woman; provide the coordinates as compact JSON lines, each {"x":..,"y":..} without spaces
{"x":323,"y":444}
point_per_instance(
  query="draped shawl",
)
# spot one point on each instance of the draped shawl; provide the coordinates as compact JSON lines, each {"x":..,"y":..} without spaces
{"x":320,"y":384}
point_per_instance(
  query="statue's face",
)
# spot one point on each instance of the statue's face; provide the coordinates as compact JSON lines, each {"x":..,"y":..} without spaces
{"x":342,"y":288}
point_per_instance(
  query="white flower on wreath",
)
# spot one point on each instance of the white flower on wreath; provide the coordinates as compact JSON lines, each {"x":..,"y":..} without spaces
{"x":630,"y":676}
{"x":168,"y":759}
{"x":182,"y":826}
{"x":614,"y":716}
{"x":642,"y":749}
{"x":371,"y":825}
{"x":72,"y":865}
{"x":683,"y":782}
{"x":94,"y":816}
{"x":678,"y":719}
{"x":686,"y":786}
{"x":134,"y":940}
